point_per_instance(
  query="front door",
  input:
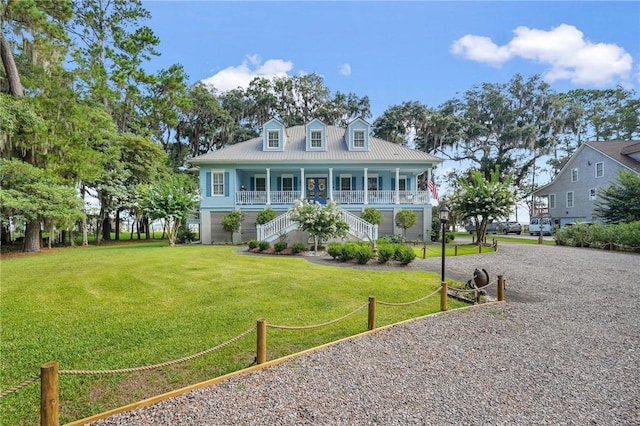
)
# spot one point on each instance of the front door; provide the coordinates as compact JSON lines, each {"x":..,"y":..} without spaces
{"x":317,"y":190}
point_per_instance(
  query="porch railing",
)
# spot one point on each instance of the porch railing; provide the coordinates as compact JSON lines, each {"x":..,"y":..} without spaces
{"x":340,"y":197}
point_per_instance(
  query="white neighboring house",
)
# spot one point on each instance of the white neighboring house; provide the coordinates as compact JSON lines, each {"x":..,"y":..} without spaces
{"x":571,"y":195}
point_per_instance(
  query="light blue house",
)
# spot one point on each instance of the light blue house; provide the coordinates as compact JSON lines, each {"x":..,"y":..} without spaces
{"x":572,"y":194}
{"x":316,"y":162}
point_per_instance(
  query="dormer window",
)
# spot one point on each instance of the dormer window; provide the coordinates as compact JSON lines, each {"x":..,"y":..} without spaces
{"x":273,"y":137}
{"x":316,"y":139}
{"x":357,"y":135}
{"x":358,"y":138}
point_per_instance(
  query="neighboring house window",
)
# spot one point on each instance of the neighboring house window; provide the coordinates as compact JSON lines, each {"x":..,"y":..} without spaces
{"x":574,"y":175}
{"x":592,"y":194}
{"x":569,"y":199}
{"x":599,"y":169}
{"x":260,"y":183}
{"x":358,"y":138}
{"x":316,"y":139}
{"x":287,"y":183}
{"x":552,"y":201}
{"x":217,"y":183}
{"x":402,"y":183}
{"x":345,"y":182}
{"x":372,"y":183}
{"x":273,"y":138}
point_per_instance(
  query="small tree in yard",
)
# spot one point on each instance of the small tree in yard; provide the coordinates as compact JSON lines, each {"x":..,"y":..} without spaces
{"x":372,"y":215}
{"x":320,"y":222}
{"x":482,"y":199}
{"x":232,"y":221}
{"x":172,"y":199}
{"x":620,"y":201}
{"x":406,"y":219}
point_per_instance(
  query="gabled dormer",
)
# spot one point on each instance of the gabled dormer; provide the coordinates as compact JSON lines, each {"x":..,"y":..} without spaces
{"x":357,"y":135}
{"x":316,"y":135}
{"x":274,"y":137}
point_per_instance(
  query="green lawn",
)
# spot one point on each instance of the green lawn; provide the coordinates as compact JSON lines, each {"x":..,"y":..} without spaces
{"x":128,"y":305}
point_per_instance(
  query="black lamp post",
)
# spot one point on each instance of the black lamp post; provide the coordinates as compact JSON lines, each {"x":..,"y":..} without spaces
{"x":444,"y":218}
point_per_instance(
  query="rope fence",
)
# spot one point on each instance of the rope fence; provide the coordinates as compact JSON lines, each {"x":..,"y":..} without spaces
{"x":49,"y":372}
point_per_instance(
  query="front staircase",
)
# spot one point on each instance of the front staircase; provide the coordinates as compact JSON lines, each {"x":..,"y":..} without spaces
{"x":283,"y":224}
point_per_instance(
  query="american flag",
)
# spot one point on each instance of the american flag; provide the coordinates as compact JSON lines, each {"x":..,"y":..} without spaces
{"x":434,"y":189}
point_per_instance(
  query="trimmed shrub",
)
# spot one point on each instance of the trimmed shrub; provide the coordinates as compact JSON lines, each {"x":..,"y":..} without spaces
{"x":334,"y":250}
{"x":280,"y":245}
{"x":364,"y":253}
{"x":385,"y":253}
{"x":263,"y":245}
{"x":348,"y":251}
{"x":404,"y":254}
{"x":253,"y":244}
{"x":185,"y":236}
{"x":390,"y":239}
{"x":297,"y":247}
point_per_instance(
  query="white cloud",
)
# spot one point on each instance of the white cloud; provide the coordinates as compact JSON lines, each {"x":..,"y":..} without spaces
{"x":251,"y":67}
{"x":344,"y":69}
{"x":569,"y":55}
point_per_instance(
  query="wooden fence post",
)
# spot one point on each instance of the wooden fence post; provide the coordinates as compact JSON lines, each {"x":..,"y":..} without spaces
{"x":49,"y":403}
{"x":372,"y":313}
{"x":500,"y":288}
{"x":443,"y":296}
{"x":480,"y":248}
{"x":455,"y":250}
{"x":261,"y":349}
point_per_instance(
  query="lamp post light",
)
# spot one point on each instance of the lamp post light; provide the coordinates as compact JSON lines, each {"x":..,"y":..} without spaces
{"x":444,"y":218}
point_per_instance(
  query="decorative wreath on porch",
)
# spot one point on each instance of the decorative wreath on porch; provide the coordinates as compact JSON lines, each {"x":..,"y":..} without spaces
{"x":310,"y":186}
{"x":321,"y":186}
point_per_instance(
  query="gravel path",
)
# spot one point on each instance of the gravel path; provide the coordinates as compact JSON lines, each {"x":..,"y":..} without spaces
{"x":564,"y":349}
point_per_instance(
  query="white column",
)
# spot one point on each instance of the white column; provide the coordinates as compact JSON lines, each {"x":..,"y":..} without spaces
{"x":303,"y":185}
{"x":268,"y":186}
{"x":397,"y":185}
{"x":330,"y":184}
{"x":366,"y":186}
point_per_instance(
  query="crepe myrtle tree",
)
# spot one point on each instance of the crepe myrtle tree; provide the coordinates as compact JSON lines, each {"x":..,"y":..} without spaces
{"x":321,"y":222}
{"x":481,"y":199}
{"x":172,"y":199}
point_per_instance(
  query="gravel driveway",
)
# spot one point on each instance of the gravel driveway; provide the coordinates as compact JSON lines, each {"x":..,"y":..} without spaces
{"x":563,"y":349}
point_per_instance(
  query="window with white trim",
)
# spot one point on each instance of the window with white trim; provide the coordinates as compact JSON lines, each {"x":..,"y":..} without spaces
{"x":273,"y":139}
{"x":574,"y":175}
{"x":592,"y":194}
{"x":217,"y":183}
{"x":358,"y":138}
{"x":552,"y":201}
{"x":569,"y":199}
{"x":599,"y":169}
{"x":316,"y":139}
{"x":287,"y":183}
{"x":260,"y":182}
{"x":345,"y":182}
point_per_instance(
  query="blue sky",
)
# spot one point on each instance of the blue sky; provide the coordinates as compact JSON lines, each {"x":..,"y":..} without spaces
{"x":401,"y":51}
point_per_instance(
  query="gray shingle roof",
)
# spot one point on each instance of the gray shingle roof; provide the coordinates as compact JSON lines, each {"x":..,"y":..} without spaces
{"x":619,"y":150}
{"x":337,"y":151}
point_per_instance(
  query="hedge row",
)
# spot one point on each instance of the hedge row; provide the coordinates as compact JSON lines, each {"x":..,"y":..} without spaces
{"x":622,"y":236}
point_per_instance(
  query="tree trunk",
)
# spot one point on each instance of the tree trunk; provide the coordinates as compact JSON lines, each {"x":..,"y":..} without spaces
{"x":147,"y":226}
{"x":85,"y":232}
{"x":32,"y":237}
{"x":117,"y":224}
{"x":106,"y":229}
{"x":10,"y":68}
{"x":52,"y":233}
{"x":6,"y":235}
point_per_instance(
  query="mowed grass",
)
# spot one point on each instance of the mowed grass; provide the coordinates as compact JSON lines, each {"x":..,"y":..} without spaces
{"x":136,"y":304}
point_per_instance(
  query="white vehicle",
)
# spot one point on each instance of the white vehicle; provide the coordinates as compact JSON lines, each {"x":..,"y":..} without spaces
{"x":540,"y":223}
